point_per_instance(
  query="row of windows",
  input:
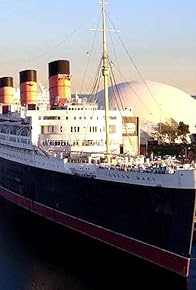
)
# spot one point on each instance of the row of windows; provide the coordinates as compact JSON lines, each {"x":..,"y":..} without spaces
{"x":14,"y":139}
{"x":127,"y":176}
{"x":80,"y":118}
{"x":75,"y":129}
{"x":73,"y":143}
{"x":51,"y":118}
{"x":92,"y":129}
{"x":15,"y":131}
{"x":92,"y":142}
{"x":66,"y":118}
{"x":55,"y":142}
{"x":80,"y":108}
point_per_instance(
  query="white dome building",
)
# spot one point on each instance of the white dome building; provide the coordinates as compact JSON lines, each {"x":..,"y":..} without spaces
{"x":153,"y":103}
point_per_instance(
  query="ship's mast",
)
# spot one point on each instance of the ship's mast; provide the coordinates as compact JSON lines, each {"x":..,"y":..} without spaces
{"x":105,"y":73}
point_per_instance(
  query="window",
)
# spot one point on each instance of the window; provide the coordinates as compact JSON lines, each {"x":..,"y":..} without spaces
{"x":51,"y":118}
{"x":93,"y":129}
{"x":48,"y":129}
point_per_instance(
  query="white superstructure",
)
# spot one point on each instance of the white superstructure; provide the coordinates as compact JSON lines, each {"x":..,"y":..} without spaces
{"x":80,"y":127}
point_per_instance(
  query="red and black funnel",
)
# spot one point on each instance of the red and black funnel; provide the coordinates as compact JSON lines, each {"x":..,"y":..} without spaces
{"x":59,"y":82}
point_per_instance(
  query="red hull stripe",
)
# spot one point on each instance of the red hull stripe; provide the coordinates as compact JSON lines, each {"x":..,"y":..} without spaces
{"x":160,"y":257}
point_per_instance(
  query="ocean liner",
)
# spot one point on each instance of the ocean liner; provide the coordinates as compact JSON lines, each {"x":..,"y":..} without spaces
{"x":72,"y":163}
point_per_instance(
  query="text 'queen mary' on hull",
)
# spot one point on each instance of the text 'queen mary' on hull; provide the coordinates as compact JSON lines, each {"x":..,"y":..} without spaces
{"x":67,"y":162}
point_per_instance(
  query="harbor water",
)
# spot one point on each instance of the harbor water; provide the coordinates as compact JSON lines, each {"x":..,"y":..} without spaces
{"x":36,"y":254}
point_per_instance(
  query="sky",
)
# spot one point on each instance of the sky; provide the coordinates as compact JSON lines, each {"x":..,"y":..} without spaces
{"x":159,"y":37}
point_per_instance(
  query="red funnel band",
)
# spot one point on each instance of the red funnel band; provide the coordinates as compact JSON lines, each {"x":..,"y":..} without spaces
{"x":7,"y":95}
{"x":60,"y":89}
{"x":28,"y":93}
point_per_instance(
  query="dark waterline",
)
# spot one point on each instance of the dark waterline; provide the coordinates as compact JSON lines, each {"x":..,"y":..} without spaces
{"x":36,"y":254}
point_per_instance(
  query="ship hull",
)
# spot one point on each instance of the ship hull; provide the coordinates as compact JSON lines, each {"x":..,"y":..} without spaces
{"x":154,"y":224}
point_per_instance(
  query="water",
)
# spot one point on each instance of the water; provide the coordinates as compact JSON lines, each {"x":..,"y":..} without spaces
{"x":35,"y":254}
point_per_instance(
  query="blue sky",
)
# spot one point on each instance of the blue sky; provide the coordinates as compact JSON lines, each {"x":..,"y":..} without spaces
{"x":160,"y":36}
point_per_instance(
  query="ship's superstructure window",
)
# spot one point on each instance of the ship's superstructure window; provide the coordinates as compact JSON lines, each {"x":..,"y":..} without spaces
{"x":51,"y":117}
{"x":3,"y":130}
{"x":75,"y":142}
{"x":13,"y":131}
{"x":49,"y":129}
{"x":13,"y":139}
{"x":93,"y":129}
{"x":75,"y":129}
{"x":24,"y":132}
{"x":24,"y":141}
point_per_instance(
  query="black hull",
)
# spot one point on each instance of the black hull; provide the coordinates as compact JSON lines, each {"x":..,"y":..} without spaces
{"x":152,"y":223}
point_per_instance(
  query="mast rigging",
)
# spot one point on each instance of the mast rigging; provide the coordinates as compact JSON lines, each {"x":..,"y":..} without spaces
{"x":105,"y":73}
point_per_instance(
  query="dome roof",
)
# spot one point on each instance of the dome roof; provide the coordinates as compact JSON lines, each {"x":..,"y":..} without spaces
{"x":153,"y":103}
